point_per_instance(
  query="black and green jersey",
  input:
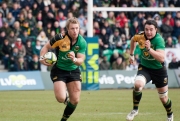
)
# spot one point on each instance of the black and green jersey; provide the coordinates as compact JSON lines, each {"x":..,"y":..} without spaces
{"x":157,"y":43}
{"x":64,"y":44}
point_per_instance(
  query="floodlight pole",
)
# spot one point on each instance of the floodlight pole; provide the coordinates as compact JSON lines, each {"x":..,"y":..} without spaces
{"x":90,"y":18}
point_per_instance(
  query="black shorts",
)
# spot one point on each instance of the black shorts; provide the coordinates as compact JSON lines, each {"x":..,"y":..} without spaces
{"x":159,"y":77}
{"x":65,"y":76}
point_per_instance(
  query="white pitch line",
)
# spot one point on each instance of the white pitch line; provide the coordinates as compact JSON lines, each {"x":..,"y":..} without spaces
{"x":112,"y":113}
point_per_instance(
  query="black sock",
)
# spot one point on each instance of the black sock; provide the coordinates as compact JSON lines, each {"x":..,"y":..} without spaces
{"x":68,"y":111}
{"x":167,"y":106}
{"x":136,"y":99}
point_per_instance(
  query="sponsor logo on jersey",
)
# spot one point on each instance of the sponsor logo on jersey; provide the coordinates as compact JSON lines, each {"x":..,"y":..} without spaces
{"x":165,"y":80}
{"x":140,"y":68}
{"x":54,"y":78}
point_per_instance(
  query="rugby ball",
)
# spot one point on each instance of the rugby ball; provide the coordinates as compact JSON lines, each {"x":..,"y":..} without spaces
{"x":50,"y":57}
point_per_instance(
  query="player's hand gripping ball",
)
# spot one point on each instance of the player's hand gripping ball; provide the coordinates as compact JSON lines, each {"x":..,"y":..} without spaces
{"x":50,"y":58}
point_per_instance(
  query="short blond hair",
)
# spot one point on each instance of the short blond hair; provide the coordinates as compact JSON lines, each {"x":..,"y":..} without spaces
{"x":73,"y":20}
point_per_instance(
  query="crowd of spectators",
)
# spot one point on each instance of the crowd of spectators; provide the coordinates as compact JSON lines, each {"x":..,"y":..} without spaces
{"x":26,"y":25}
{"x":115,"y":30}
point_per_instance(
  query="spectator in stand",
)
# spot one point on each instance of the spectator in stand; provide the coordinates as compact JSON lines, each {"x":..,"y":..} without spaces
{"x":124,"y":42}
{"x":25,"y":27}
{"x":168,"y":16}
{"x":161,"y":4}
{"x":134,"y":29}
{"x":166,"y":29}
{"x":13,"y":59}
{"x":29,"y":51}
{"x":35,"y":9}
{"x":75,"y":11}
{"x":39,"y":16}
{"x":60,"y":16}
{"x":152,"y":3}
{"x":24,"y":36}
{"x":117,"y":3}
{"x":9,"y":19}
{"x":99,"y":18}
{"x":178,"y":43}
{"x":157,"y":18}
{"x":20,"y":46}
{"x":103,"y":41}
{"x":53,"y":33}
{"x":84,"y":27}
{"x":42,"y":38}
{"x":56,"y":27}
{"x":6,"y":28}
{"x":176,"y":30}
{"x":16,"y":28}
{"x":111,"y":18}
{"x":177,"y":17}
{"x":37,"y":48}
{"x":70,"y":15}
{"x":21,"y":64}
{"x":81,"y":19}
{"x":25,"y":3}
{"x":11,"y":38}
{"x":126,"y":56}
{"x":1,"y":19}
{"x":5,"y":52}
{"x":169,"y":43}
{"x":126,"y":30}
{"x":2,"y":37}
{"x":140,"y":19}
{"x":31,"y":20}
{"x":53,"y":9}
{"x":96,"y":28}
{"x":174,"y":64}
{"x":49,"y":17}
{"x":34,"y":64}
{"x":63,"y":8}
{"x":38,"y":28}
{"x":104,"y":64}
{"x":48,"y":28}
{"x":4,"y":9}
{"x":105,"y":3}
{"x":15,"y":10}
{"x":118,"y":64}
{"x":21,"y":18}
{"x":115,"y":40}
{"x":108,"y":28}
{"x":122,"y":19}
{"x":114,"y":57}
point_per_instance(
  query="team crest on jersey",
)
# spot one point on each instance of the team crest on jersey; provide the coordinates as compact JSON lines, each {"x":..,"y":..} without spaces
{"x":76,"y":48}
{"x":67,"y":56}
{"x":145,"y":53}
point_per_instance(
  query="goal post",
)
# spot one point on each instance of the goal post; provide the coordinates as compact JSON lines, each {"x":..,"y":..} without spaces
{"x":125,"y":9}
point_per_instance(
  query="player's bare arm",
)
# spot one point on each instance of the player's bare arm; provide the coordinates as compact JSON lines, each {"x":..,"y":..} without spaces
{"x":77,"y":60}
{"x":44,"y":50}
{"x":132,"y":48}
{"x":157,"y":54}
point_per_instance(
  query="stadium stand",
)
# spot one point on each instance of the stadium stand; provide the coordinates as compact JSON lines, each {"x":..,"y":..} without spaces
{"x":36,"y":21}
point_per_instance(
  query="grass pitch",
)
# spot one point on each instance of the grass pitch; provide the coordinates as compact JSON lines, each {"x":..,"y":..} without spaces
{"x":101,"y":105}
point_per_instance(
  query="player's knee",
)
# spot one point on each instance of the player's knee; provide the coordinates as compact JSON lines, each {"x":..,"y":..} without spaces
{"x":60,"y":99}
{"x":139,"y":83}
{"x":163,"y":96}
{"x":75,"y":101}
